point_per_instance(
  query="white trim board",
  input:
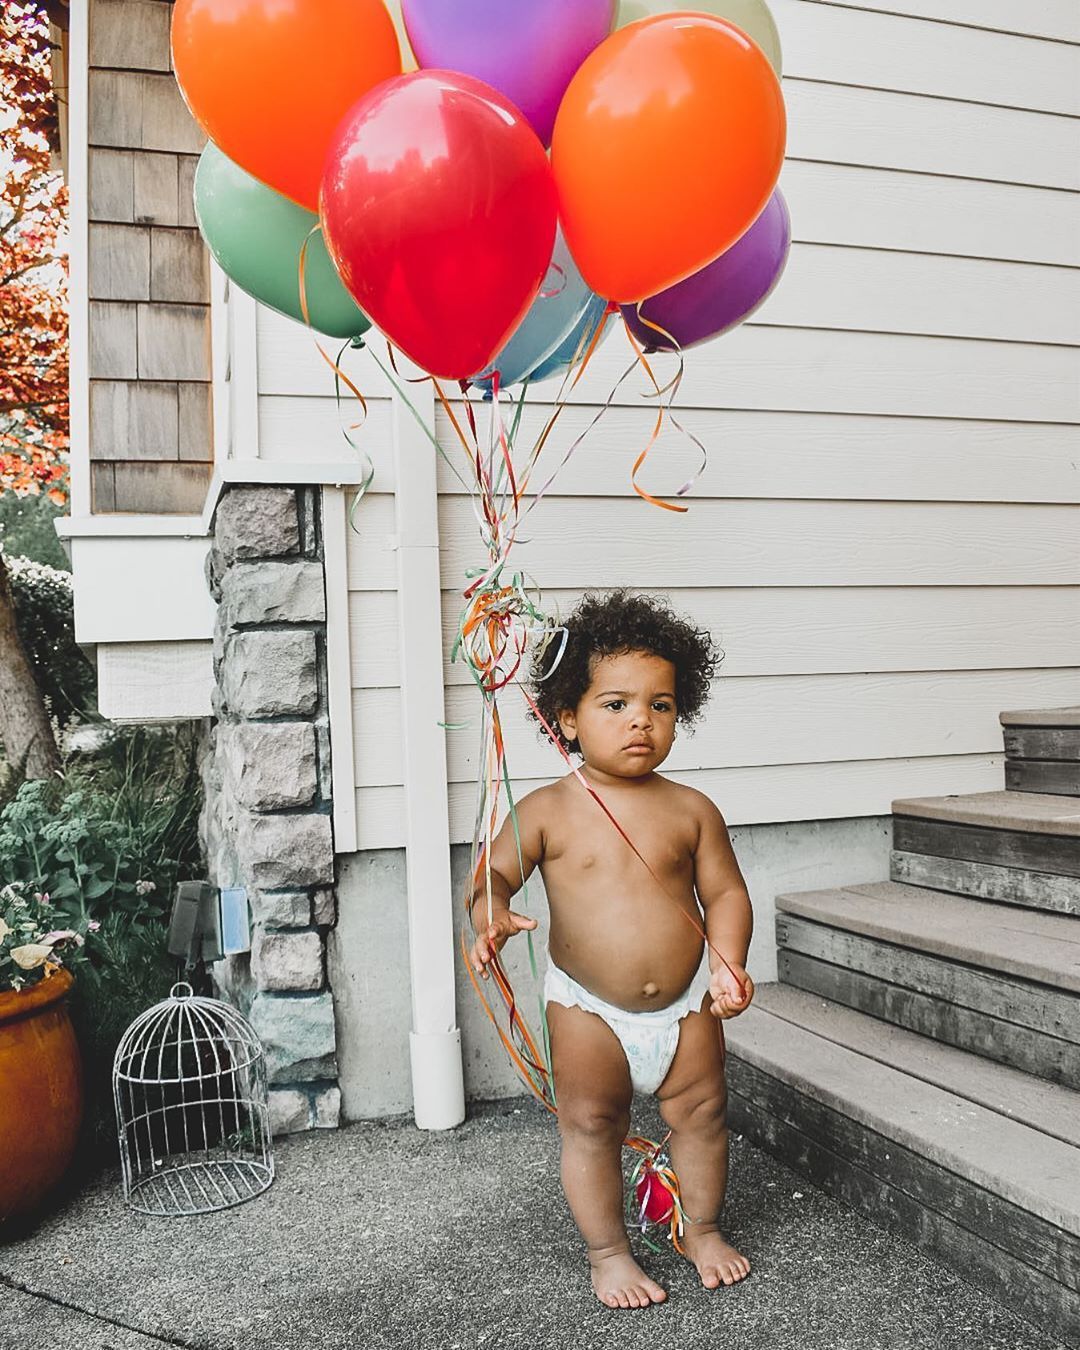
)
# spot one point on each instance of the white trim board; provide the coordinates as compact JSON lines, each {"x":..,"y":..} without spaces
{"x":141,"y":589}
{"x":338,"y":672}
{"x":155,"y":681}
{"x":110,"y":526}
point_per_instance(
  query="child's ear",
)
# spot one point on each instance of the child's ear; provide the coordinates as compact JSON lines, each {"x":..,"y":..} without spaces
{"x":568,"y":723}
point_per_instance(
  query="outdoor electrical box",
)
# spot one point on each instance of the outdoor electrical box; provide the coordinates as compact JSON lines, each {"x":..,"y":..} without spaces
{"x":207,"y":924}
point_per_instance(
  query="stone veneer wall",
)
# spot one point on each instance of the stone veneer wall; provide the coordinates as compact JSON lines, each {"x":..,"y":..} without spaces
{"x":267,"y":821}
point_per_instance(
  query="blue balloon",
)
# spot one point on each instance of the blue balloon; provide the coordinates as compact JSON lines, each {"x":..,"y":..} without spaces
{"x":562,"y":358}
{"x":556,"y":311}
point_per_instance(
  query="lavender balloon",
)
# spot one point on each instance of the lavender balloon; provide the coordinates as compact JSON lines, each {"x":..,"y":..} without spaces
{"x":527,"y":49}
{"x":722,"y":294}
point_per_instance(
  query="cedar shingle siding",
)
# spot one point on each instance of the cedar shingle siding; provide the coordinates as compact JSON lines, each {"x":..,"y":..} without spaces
{"x":150,"y":399}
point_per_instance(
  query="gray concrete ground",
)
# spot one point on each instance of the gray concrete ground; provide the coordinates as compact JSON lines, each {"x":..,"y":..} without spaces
{"x":379,"y":1234}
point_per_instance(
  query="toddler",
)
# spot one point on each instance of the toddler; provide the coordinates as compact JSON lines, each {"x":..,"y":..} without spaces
{"x":626,"y":1007}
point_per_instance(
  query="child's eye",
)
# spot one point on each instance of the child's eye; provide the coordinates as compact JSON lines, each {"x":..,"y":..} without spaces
{"x":661,"y":706}
{"x":616,"y":704}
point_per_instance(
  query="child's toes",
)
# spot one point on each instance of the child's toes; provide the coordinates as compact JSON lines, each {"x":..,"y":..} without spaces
{"x":717,"y":1261}
{"x":735,"y":1271}
{"x":652,"y":1293}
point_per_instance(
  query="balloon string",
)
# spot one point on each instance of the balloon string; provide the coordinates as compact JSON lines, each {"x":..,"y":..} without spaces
{"x":665,"y":409}
{"x":495,"y":631}
{"x":395,"y":381}
{"x":590,"y":342}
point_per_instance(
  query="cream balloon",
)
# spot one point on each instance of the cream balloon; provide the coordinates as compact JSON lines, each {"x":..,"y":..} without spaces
{"x":408,"y":60}
{"x":752,"y":16}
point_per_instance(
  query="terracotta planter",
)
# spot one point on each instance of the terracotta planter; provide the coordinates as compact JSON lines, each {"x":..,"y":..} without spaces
{"x":40,"y":1092}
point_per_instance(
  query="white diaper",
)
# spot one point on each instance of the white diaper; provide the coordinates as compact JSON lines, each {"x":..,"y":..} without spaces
{"x":648,"y":1039}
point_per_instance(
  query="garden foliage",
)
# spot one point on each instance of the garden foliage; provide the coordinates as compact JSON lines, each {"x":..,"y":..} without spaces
{"x":106,"y":842}
{"x":44,"y":612}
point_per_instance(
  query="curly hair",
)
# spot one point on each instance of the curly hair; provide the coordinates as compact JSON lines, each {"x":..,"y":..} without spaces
{"x":618,"y":621}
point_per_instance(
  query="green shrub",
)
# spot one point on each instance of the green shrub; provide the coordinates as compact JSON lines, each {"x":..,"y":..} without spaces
{"x":44,"y":612}
{"x":107,"y":841}
{"x":115,"y":832}
{"x":27,"y":528}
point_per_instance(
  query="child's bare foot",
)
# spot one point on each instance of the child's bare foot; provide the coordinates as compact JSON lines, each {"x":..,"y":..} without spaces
{"x":620,"y":1282}
{"x":717,"y":1261}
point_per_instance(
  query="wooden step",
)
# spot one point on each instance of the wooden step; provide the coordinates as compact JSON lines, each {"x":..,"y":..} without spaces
{"x":1031,"y":813}
{"x":1039,"y":947}
{"x":996,"y":981}
{"x":985,"y":881}
{"x":1043,"y":717}
{"x":922,"y":1140}
{"x":994,"y":845}
{"x":1047,"y":1107}
{"x":1042,"y":751}
{"x":1043,"y":776}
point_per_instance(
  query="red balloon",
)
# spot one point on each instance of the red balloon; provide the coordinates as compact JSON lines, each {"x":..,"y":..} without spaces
{"x":438,"y":206}
{"x":654,"y":1197}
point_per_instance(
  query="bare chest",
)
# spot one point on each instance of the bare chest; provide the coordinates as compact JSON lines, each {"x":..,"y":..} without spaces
{"x":587,"y":849}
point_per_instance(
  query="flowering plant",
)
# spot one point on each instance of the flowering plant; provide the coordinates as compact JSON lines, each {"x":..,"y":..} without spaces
{"x":31,"y":944}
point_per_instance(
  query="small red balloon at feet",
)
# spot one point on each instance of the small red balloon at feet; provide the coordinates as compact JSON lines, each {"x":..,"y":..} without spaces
{"x":654,"y":1199}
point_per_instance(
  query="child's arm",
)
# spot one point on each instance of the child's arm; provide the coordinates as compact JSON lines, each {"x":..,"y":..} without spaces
{"x":729,"y":919}
{"x":508,"y":874}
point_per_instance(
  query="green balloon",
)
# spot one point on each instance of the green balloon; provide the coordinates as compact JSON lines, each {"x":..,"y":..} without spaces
{"x":752,"y":16}
{"x":256,"y":236}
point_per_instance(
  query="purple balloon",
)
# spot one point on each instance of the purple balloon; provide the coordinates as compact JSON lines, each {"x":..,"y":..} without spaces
{"x":722,"y":294}
{"x":527,"y":49}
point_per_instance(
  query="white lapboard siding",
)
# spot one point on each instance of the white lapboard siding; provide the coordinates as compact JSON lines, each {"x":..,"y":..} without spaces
{"x":885,"y":538}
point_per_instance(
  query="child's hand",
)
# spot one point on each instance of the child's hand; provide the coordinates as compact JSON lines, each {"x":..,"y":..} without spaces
{"x":505,"y":923}
{"x":731,"y":991}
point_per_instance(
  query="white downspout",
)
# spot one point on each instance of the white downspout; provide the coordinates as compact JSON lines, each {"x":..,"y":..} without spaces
{"x":435,"y":1041}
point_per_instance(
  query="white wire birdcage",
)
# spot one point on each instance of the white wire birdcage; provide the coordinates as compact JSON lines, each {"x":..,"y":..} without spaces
{"x":189,"y":1083}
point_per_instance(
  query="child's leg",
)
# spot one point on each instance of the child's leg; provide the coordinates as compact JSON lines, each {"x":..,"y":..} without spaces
{"x":693,"y":1102}
{"x":592,"y":1085}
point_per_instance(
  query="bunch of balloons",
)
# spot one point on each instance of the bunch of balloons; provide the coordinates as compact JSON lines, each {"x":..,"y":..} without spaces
{"x":445,"y":220}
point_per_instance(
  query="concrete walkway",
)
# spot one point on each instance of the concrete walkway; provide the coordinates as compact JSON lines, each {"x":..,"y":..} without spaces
{"x":381,"y":1235}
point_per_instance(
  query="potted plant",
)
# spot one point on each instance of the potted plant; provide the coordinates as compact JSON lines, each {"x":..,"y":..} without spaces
{"x":40,"y":1073}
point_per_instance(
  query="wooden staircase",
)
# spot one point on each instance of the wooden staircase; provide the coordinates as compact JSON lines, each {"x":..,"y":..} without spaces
{"x":920,"y":1056}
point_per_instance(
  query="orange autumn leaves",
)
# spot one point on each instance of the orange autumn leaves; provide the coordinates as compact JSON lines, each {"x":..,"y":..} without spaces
{"x":33,"y":265}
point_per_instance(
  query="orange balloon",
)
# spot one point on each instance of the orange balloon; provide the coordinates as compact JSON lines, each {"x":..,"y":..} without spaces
{"x":269,"y":80}
{"x":667,"y":146}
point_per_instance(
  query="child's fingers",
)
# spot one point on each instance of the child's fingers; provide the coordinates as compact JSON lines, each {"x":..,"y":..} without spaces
{"x":482,"y":953}
{"x":487,"y":944}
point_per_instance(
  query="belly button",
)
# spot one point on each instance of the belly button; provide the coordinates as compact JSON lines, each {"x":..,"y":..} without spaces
{"x":651,"y":990}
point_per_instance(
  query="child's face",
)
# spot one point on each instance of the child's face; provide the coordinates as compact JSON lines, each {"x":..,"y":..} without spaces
{"x":625,"y":722}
